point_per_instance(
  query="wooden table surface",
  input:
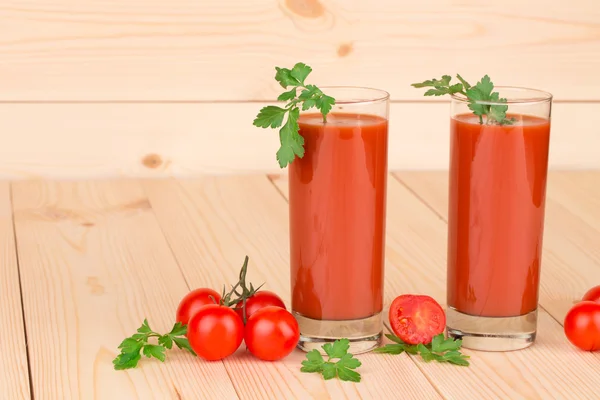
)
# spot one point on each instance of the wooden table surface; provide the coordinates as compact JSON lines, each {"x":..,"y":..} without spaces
{"x":83,"y":263}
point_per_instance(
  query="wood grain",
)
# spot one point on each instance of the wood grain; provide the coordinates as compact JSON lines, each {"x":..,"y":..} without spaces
{"x":217,"y":221}
{"x":14,"y":376}
{"x":571,"y":258}
{"x":94,"y":264}
{"x":416,"y":263}
{"x":580,"y":193}
{"x":184,"y":140}
{"x":227,"y":50}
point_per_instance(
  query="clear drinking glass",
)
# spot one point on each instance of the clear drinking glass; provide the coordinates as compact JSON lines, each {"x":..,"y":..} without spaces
{"x":496,"y":220}
{"x":337,"y":200}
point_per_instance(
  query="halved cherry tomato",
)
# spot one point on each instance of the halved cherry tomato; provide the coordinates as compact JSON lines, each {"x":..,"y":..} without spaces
{"x":215,"y":332}
{"x":271,"y":333}
{"x":416,"y":318}
{"x":194,"y":301}
{"x":260,"y":299}
{"x":582,"y":325}
{"x":592,"y":295}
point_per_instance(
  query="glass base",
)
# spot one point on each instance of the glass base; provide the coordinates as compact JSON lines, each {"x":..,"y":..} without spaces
{"x":492,"y":333}
{"x":364,"y":334}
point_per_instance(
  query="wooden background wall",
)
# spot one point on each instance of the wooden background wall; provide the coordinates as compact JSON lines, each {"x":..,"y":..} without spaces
{"x":157,"y":87}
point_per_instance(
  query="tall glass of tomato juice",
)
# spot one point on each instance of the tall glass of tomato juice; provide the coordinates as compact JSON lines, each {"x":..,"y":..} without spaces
{"x":496,"y":220}
{"x":337,"y":200}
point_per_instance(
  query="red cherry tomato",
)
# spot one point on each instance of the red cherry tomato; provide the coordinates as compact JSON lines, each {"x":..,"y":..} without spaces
{"x":194,"y":301}
{"x":582,"y":325}
{"x":271,"y":333}
{"x":592,"y":295}
{"x":416,"y":318}
{"x":261,"y":299}
{"x":215,"y":332}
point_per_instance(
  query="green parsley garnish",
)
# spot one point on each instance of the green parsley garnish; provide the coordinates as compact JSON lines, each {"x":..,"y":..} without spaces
{"x":440,"y":349}
{"x":133,"y":346}
{"x":477,"y":95}
{"x":344,"y":368}
{"x":292,"y":143}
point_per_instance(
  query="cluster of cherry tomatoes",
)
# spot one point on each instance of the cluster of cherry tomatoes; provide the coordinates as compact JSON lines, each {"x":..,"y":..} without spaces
{"x":216,"y":331}
{"x":582,"y":323}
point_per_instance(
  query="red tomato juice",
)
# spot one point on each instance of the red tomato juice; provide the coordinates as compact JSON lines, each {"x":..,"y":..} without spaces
{"x":496,"y":215}
{"x":337,"y":195}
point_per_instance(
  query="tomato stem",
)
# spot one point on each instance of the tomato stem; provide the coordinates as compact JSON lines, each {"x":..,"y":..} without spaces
{"x":243,"y":295}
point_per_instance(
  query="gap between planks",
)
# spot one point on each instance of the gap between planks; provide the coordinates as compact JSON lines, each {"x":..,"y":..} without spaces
{"x":15,"y":370}
{"x":249,"y":101}
{"x":16,"y":245}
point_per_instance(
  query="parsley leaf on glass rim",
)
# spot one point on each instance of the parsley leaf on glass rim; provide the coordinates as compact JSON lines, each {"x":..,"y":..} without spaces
{"x":481,"y":97}
{"x":301,"y":95}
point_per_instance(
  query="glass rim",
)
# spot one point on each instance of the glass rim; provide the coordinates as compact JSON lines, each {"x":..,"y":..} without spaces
{"x":379,"y":95}
{"x":542,"y":97}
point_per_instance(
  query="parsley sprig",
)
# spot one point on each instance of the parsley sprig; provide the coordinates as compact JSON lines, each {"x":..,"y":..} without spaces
{"x":138,"y":343}
{"x":479,"y":97}
{"x":344,"y":368}
{"x":292,"y":143}
{"x":440,"y":349}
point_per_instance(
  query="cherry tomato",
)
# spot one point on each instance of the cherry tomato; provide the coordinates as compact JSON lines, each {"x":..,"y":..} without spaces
{"x":215,"y":332}
{"x":416,"y":318}
{"x":582,"y":325}
{"x":194,"y":301}
{"x":260,"y":300}
{"x":271,"y":333}
{"x":592,"y":295}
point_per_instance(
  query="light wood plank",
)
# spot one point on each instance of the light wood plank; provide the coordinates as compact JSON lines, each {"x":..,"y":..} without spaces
{"x":216,"y":222}
{"x":14,"y":376}
{"x":227,"y":50}
{"x":157,"y":140}
{"x":416,"y":263}
{"x":580,"y":194}
{"x":571,"y":257}
{"x":94,"y":264}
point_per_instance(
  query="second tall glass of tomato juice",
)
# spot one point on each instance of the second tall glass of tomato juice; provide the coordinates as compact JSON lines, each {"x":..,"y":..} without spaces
{"x":337,"y":201}
{"x":497,"y":195}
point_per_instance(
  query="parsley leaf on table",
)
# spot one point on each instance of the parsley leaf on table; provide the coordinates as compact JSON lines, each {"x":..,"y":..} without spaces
{"x":398,"y":347}
{"x":133,"y":346}
{"x":440,"y":349}
{"x":439,"y":344}
{"x":344,"y":368}
{"x":292,"y":143}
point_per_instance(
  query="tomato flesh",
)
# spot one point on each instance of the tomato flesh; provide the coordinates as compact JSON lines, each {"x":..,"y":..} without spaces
{"x":215,"y":332}
{"x":416,"y":318}
{"x":194,"y":301}
{"x":271,"y":333}
{"x":260,"y":299}
{"x":582,"y":325}
{"x":592,"y":295}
